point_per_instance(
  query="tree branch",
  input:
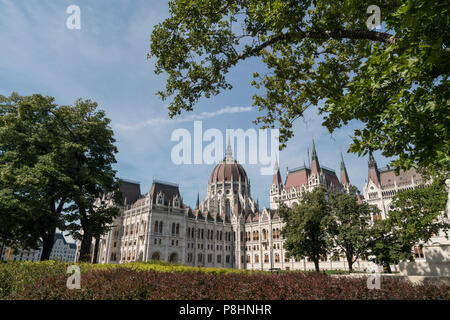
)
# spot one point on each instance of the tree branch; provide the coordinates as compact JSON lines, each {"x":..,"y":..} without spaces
{"x":343,"y":34}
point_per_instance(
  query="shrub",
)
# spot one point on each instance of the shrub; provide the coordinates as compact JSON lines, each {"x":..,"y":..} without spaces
{"x":15,"y":275}
{"x":154,"y":280}
{"x":128,"y":283}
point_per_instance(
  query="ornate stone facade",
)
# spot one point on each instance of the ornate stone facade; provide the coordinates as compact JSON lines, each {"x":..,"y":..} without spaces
{"x":226,"y":229}
{"x":432,"y":258}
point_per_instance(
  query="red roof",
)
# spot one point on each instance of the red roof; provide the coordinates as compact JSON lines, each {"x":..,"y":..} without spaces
{"x":388,"y":177}
{"x":225,"y":170}
{"x":296,"y":178}
{"x":277,"y":178}
{"x":331,"y":178}
{"x":169,"y":191}
{"x":344,"y":177}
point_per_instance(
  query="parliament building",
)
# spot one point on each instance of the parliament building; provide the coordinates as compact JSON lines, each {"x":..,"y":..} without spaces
{"x":227,"y":228}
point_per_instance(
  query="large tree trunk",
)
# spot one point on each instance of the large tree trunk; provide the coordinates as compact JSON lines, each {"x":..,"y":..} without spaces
{"x":86,"y":243}
{"x":48,"y":239}
{"x":316,"y":265}
{"x":350,"y":264}
{"x":97,"y":246}
{"x":1,"y":251}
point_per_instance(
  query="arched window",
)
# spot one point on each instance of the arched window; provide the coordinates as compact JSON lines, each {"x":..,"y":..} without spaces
{"x":256,"y":258}
{"x":173,"y":228}
{"x":156,"y":256}
{"x":227,"y":207}
{"x":173,"y":257}
{"x":156,"y":226}
{"x":160,"y":226}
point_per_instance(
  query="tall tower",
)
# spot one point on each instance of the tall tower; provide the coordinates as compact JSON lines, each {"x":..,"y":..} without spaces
{"x":345,"y":181}
{"x":374,"y":174}
{"x":197,"y":204}
{"x":316,"y":177}
{"x":277,"y":186}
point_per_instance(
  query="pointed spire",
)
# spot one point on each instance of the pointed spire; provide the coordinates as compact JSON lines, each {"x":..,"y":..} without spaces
{"x":276,"y":174}
{"x":197,"y":205}
{"x":372,"y":162}
{"x":275,"y":167}
{"x":374,"y":174}
{"x":315,"y":167}
{"x":314,"y":153}
{"x":344,"y":176}
{"x":229,"y":153}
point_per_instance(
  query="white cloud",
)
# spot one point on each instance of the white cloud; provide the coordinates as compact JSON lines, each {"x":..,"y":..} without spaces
{"x":192,"y":117}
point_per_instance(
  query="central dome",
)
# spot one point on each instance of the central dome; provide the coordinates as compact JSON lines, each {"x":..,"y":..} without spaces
{"x":227,"y":171}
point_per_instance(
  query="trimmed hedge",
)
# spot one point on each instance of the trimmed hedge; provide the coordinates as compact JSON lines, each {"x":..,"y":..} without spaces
{"x":161,"y":281}
{"x":129,"y":284}
{"x":14,"y":276}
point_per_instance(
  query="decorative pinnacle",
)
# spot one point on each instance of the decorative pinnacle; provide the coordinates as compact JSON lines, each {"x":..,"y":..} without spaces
{"x":314,"y":154}
{"x":197,"y":205}
{"x":342,"y":162}
{"x":229,"y":153}
{"x":372,"y":162}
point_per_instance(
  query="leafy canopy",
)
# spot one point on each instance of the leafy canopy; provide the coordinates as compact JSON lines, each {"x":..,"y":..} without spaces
{"x":305,"y":226}
{"x":348,"y":227}
{"x":416,"y":216}
{"x":53,"y":160}
{"x":320,"y":53}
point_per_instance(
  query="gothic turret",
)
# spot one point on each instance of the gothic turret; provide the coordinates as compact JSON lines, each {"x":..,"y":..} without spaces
{"x":315,"y":167}
{"x":374,"y":174}
{"x":345,"y":181}
{"x":276,"y":175}
{"x":197,"y":205}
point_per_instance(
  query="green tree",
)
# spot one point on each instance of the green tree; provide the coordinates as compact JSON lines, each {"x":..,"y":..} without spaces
{"x":91,"y":154}
{"x":32,"y":171}
{"x":385,"y":248}
{"x":349,"y":226}
{"x":304,"y":229}
{"x":416,"y":215}
{"x":320,"y":53}
{"x":95,"y":221}
{"x":52,"y":158}
{"x":104,"y":216}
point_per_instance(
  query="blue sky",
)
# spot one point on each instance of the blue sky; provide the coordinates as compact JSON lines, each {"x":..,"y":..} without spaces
{"x":106,"y":62}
